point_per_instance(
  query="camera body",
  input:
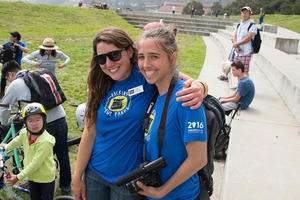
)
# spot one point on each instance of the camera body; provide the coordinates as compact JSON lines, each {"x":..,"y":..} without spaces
{"x":148,"y":173}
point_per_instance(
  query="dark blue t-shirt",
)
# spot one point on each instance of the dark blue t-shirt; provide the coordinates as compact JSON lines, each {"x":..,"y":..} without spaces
{"x":119,"y":138}
{"x":19,"y":54}
{"x":182,"y":125}
{"x":246,"y":90}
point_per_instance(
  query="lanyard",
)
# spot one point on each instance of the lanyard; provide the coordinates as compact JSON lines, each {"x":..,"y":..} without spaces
{"x":163,"y":118}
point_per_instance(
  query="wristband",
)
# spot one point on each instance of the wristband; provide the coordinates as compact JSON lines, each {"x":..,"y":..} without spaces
{"x":205,"y":88}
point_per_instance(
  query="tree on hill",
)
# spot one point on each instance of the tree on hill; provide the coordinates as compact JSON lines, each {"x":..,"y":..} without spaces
{"x":198,"y":7}
{"x":217,"y":8}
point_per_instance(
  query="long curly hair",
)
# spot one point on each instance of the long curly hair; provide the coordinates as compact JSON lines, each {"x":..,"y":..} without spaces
{"x":100,"y":83}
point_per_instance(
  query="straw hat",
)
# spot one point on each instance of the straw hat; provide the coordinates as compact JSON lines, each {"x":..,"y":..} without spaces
{"x":48,"y":44}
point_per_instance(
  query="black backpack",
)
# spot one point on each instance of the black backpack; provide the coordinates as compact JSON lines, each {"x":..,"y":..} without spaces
{"x":215,"y":119}
{"x":8,"y":52}
{"x":256,"y":42}
{"x":44,"y":88}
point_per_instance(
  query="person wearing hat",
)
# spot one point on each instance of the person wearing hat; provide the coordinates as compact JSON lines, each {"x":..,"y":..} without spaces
{"x":47,"y":56}
{"x":242,"y":38}
{"x":39,"y":164}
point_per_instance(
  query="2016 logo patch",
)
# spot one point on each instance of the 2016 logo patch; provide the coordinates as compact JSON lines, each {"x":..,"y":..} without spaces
{"x":195,"y":127}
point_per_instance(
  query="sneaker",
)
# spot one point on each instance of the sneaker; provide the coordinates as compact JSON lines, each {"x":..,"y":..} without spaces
{"x":222,"y":78}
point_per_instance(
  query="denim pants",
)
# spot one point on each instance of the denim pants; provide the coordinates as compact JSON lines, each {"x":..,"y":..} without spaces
{"x":98,"y":188}
{"x":59,"y":129}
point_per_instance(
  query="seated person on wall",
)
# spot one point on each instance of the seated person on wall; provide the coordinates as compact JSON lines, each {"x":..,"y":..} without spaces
{"x":244,"y":94}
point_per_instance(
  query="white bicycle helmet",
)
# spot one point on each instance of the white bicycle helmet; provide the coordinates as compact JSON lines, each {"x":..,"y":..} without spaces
{"x":80,"y":114}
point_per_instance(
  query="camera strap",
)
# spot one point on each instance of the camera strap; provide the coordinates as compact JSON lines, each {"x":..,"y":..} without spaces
{"x":163,"y":118}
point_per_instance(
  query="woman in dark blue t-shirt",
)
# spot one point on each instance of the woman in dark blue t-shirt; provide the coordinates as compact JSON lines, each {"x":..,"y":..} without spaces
{"x":184,"y":142}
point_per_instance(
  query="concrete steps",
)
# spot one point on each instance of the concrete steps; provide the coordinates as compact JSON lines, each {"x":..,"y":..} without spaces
{"x":186,"y":25}
{"x":264,"y":152}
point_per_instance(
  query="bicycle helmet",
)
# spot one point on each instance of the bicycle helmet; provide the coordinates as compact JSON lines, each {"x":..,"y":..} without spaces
{"x":32,"y":109}
{"x":80,"y":114}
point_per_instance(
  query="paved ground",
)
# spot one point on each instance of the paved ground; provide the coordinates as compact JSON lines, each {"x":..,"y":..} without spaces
{"x":264,"y":153}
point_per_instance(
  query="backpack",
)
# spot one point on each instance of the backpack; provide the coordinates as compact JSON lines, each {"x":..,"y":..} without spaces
{"x":215,"y":119}
{"x":8,"y":52}
{"x":44,"y":88}
{"x":256,"y":42}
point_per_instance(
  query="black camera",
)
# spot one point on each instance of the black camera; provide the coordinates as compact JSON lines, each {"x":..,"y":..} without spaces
{"x":148,"y":173}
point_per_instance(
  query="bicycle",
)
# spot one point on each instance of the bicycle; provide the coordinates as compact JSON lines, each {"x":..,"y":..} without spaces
{"x":15,"y":121}
{"x":8,"y":190}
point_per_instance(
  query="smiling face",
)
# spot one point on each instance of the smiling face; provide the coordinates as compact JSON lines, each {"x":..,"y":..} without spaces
{"x":34,"y":123}
{"x":156,"y":66}
{"x":117,"y":70}
{"x":245,"y":15}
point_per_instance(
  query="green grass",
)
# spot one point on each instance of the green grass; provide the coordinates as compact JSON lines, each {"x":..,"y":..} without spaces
{"x":291,"y":22}
{"x":73,"y":30}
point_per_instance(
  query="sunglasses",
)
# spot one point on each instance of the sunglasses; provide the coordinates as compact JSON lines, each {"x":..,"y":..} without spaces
{"x":113,"y":56}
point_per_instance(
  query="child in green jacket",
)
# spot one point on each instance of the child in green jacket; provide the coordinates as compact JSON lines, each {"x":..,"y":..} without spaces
{"x":39,"y":164}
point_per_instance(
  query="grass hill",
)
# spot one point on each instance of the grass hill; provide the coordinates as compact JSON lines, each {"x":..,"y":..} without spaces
{"x":73,"y":30}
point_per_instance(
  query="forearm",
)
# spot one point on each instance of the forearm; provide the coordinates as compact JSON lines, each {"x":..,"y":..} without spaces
{"x":193,"y":163}
{"x":67,"y":60}
{"x":17,"y":142}
{"x":246,"y":40}
{"x":24,"y":49}
{"x":28,"y":60}
{"x":234,"y":38}
{"x":84,"y":151}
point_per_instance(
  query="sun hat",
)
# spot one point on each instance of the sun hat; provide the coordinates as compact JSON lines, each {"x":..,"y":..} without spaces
{"x":247,"y":8}
{"x":48,"y":44}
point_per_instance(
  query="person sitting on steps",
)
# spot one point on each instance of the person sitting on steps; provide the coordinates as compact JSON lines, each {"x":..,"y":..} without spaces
{"x":244,"y":94}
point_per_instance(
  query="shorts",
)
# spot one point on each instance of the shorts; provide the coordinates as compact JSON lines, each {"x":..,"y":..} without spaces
{"x":245,"y":60}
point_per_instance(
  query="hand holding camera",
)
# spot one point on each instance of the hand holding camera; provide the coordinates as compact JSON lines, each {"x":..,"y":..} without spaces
{"x":148,"y":174}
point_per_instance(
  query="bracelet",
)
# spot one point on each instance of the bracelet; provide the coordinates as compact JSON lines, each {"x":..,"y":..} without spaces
{"x":204,"y":88}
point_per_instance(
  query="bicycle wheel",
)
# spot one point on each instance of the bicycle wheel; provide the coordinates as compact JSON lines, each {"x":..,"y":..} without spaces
{"x":64,"y":198}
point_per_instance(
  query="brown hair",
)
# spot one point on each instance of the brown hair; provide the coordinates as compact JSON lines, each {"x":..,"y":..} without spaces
{"x":164,"y":38}
{"x":100,"y":83}
{"x":43,"y":52}
{"x":238,"y":65}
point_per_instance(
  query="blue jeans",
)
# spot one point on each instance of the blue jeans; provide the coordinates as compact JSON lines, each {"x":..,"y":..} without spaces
{"x":59,"y":129}
{"x":99,"y":188}
{"x":261,"y":19}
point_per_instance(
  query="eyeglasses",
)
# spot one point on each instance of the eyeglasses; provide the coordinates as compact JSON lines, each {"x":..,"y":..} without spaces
{"x":113,"y":56}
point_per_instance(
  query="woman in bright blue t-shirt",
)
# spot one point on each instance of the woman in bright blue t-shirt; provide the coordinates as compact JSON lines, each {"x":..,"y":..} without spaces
{"x":112,"y":140}
{"x":184,"y":143}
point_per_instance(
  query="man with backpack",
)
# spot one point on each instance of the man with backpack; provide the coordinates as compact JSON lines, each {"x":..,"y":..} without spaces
{"x":243,"y":35}
{"x":14,"y":48}
{"x":20,"y":90}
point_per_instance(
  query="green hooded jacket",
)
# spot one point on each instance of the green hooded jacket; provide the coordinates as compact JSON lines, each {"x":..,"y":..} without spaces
{"x":39,"y":164}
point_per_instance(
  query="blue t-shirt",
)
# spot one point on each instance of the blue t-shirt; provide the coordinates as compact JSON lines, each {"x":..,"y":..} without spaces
{"x":182,"y":125}
{"x":119,"y":140}
{"x":19,"y":55}
{"x":246,"y":90}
